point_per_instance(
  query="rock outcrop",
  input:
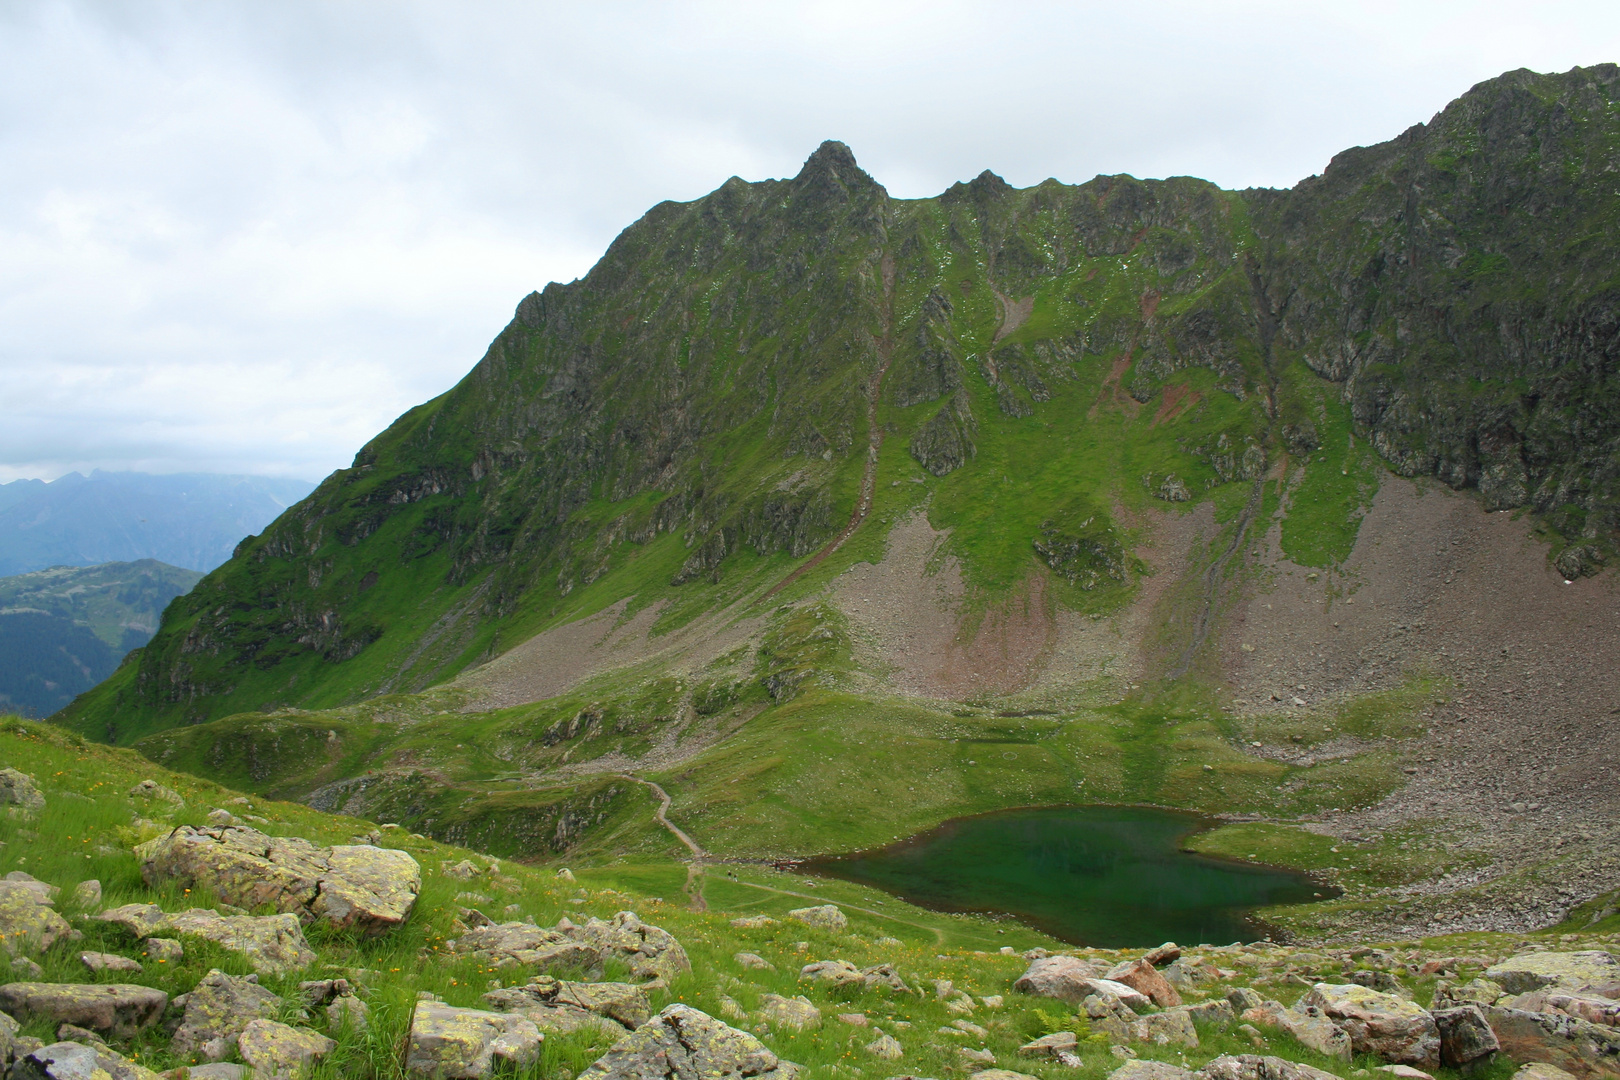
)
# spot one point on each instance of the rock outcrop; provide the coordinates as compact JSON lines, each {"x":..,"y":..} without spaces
{"x":273,"y":944}
{"x":648,"y":951}
{"x":464,"y":1044}
{"x":215,"y":1012}
{"x":1383,"y":1024}
{"x":683,"y":1043}
{"x":117,"y":1010}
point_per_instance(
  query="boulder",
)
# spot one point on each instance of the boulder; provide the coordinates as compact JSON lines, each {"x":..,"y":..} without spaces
{"x":151,"y":789}
{"x":28,"y":922}
{"x":1164,"y":1028}
{"x":1465,"y":1035}
{"x":1137,"y":1069}
{"x":17,"y":789}
{"x":357,"y":886}
{"x":754,"y":961}
{"x":824,"y":917}
{"x":1256,"y":1067}
{"x":464,"y":1043}
{"x":648,"y":951}
{"x":1574,"y":1045}
{"x":216,"y":1070}
{"x":103,"y":961}
{"x":272,"y":944}
{"x":1583,"y":1004}
{"x":886,"y":1047}
{"x":74,"y":1033}
{"x":1539,"y":1070}
{"x":1308,"y":1027}
{"x":1572,"y":970}
{"x":1242,"y":999}
{"x":8,"y":1038}
{"x":163,"y":950}
{"x":1128,"y":996}
{"x":622,"y":1002}
{"x":683,"y":1043}
{"x":76,"y":1061}
{"x":277,"y":1052}
{"x":87,"y":894}
{"x":1051,"y":1046}
{"x":1144,"y":978}
{"x":794,"y":1012}
{"x":753,"y":922}
{"x":118,"y":1010}
{"x":140,"y":920}
{"x":988,"y":1074}
{"x":1391,"y":1027}
{"x":982,"y":1056}
{"x":1216,"y":1011}
{"x":886,"y":976}
{"x":836,"y":972}
{"x":1062,"y":977}
{"x":215,"y":1012}
{"x":1163,"y":956}
{"x":1473,"y":992}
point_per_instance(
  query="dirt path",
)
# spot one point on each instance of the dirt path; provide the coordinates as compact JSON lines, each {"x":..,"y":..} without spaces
{"x":694,"y":868}
{"x":874,"y":439}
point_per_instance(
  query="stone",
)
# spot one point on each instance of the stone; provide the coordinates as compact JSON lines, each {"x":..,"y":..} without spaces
{"x":76,"y":1061}
{"x":354,"y":886}
{"x":8,"y":1038}
{"x":87,"y":894}
{"x":992,"y":1001}
{"x":1393,"y":1028}
{"x":990,"y":1074}
{"x":1128,"y":996}
{"x":1465,"y":1035}
{"x":1242,"y":999}
{"x":794,"y":1012}
{"x":101,"y":961}
{"x":164,"y":950}
{"x":1539,"y":1070}
{"x":683,"y":1043}
{"x":824,"y":917}
{"x":1170,"y":1026}
{"x":1050,"y":1045}
{"x":217,"y":1070}
{"x":836,"y":972}
{"x":1405,"y":1072}
{"x":348,"y":1013}
{"x":465,"y":870}
{"x":753,"y":922}
{"x":1574,"y":1045}
{"x":115,"y":1009}
{"x":272,"y":944}
{"x":648,"y":951}
{"x":885,"y":976}
{"x":886,"y":1047}
{"x":1139,"y":1069}
{"x":853,"y":1019}
{"x":1307,"y":1026}
{"x":151,"y":789}
{"x":754,"y":961}
{"x":216,"y":1010}
{"x":1573,"y":970}
{"x":141,"y":920}
{"x":275,"y":1051}
{"x":1164,"y":955}
{"x":18,"y":789}
{"x":465,"y":1043}
{"x":1062,"y":977}
{"x":622,"y":1002}
{"x":1144,"y":978}
{"x":218,"y":818}
{"x":1216,"y":1012}
{"x":984,"y":1057}
{"x":1473,"y":992}
{"x":27,"y":968}
{"x":74,"y":1033}
{"x":1582,"y":1004}
{"x":1256,"y":1067}
{"x":28,"y":922}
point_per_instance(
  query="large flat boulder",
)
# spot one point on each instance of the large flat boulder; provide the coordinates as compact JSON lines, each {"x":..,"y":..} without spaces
{"x":117,"y":1010}
{"x":1144,"y":978}
{"x":216,"y":1011}
{"x":278,"y":1052}
{"x":76,"y":1061}
{"x":1572,"y":970}
{"x":622,"y":1002}
{"x":1391,"y":1027}
{"x":1065,"y":978}
{"x":648,"y":951}
{"x":464,"y":1044}
{"x":273,"y":944}
{"x":357,"y":886}
{"x":1257,"y":1067}
{"x":1577,"y":1046}
{"x":683,"y":1043}
{"x":28,"y":919}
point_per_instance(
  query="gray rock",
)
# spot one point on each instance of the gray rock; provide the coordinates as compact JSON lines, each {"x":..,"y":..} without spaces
{"x":1585,"y":1005}
{"x":1574,"y":1045}
{"x":1162,"y":1029}
{"x":836,"y":972}
{"x":755,"y":961}
{"x":217,"y":1009}
{"x":1138,"y":1069}
{"x":626,"y":1004}
{"x":648,"y":951}
{"x":76,"y":1061}
{"x":824,"y":917}
{"x":17,"y":789}
{"x":885,"y":976}
{"x":74,"y":1033}
{"x":1065,"y":978}
{"x":1473,"y":992}
{"x":87,"y":894}
{"x":1465,"y":1035}
{"x":1242,"y":999}
{"x":151,"y":789}
{"x":1256,"y":1067}
{"x":163,"y":950}
{"x":886,"y":1047}
{"x":1391,"y":1027}
{"x":683,"y":1043}
{"x":278,"y":1052}
{"x":101,"y":961}
{"x":465,"y":1043}
{"x":1573,"y":970}
{"x":28,"y":921}
{"x":115,"y":1009}
{"x":273,"y":944}
{"x":798,"y":1013}
{"x":217,"y":1070}
{"x":1050,"y":1045}
{"x":1215,"y":1012}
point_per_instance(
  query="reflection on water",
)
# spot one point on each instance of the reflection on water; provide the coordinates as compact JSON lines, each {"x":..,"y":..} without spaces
{"x":1109,"y":876}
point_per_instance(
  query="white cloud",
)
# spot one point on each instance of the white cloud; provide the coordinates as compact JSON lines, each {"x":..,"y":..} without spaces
{"x":244,"y":236}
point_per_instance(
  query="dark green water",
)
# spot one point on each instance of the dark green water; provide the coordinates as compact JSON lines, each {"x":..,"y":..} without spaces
{"x":1109,"y":876}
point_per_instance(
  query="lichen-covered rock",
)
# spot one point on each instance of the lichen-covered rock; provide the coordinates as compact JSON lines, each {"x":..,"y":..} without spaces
{"x":1151,"y":1070}
{"x":1465,"y":1035}
{"x":885,"y":976}
{"x":163,"y":950}
{"x":366,"y":888}
{"x":101,"y":961}
{"x":1391,"y":1027}
{"x":794,"y":1012}
{"x":1308,"y":1027}
{"x":1144,"y":978}
{"x":463,"y":1044}
{"x":76,"y":1061}
{"x":1574,"y":970}
{"x":996,"y":1074}
{"x":1050,"y":1046}
{"x":886,"y":1047}
{"x":1164,"y":1028}
{"x":836,"y":972}
{"x":28,"y":922}
{"x":277,"y":1052}
{"x":1583,"y":1004}
{"x":18,"y":789}
{"x":1577,"y":1046}
{"x":823,"y":917}
{"x":151,"y":789}
{"x":141,"y":920}
{"x":649,"y":951}
{"x":754,"y":961}
{"x":87,"y":894}
{"x":217,"y":1009}
{"x":118,"y":1010}
{"x":621,"y":1002}
{"x":683,"y":1043}
{"x":273,"y":944}
{"x":1480,"y":992}
{"x":1256,"y":1067}
{"x":1062,"y":977}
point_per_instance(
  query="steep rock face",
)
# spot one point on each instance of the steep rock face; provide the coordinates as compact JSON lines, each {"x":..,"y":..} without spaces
{"x":707,"y":390}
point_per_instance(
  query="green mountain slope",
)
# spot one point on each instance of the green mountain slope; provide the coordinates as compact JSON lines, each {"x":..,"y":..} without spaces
{"x":65,"y":629}
{"x":697,"y":415}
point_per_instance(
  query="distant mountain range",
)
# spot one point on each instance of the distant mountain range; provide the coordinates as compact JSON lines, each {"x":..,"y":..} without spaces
{"x":191,"y":520}
{"x":65,"y":629}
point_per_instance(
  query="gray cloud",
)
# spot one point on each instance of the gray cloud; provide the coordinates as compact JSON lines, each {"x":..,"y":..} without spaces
{"x":243,"y":237}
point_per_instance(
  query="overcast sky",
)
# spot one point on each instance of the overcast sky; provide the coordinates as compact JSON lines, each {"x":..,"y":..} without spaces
{"x":243,"y":237}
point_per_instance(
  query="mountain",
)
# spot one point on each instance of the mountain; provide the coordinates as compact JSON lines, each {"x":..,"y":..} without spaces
{"x":842,"y":515}
{"x":65,"y":629}
{"x":185,"y":519}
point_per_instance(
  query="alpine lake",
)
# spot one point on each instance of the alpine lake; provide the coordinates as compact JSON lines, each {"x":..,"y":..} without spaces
{"x":1105,"y":876}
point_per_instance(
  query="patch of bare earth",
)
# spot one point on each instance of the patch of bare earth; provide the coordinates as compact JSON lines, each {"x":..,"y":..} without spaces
{"x":1519,"y":767}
